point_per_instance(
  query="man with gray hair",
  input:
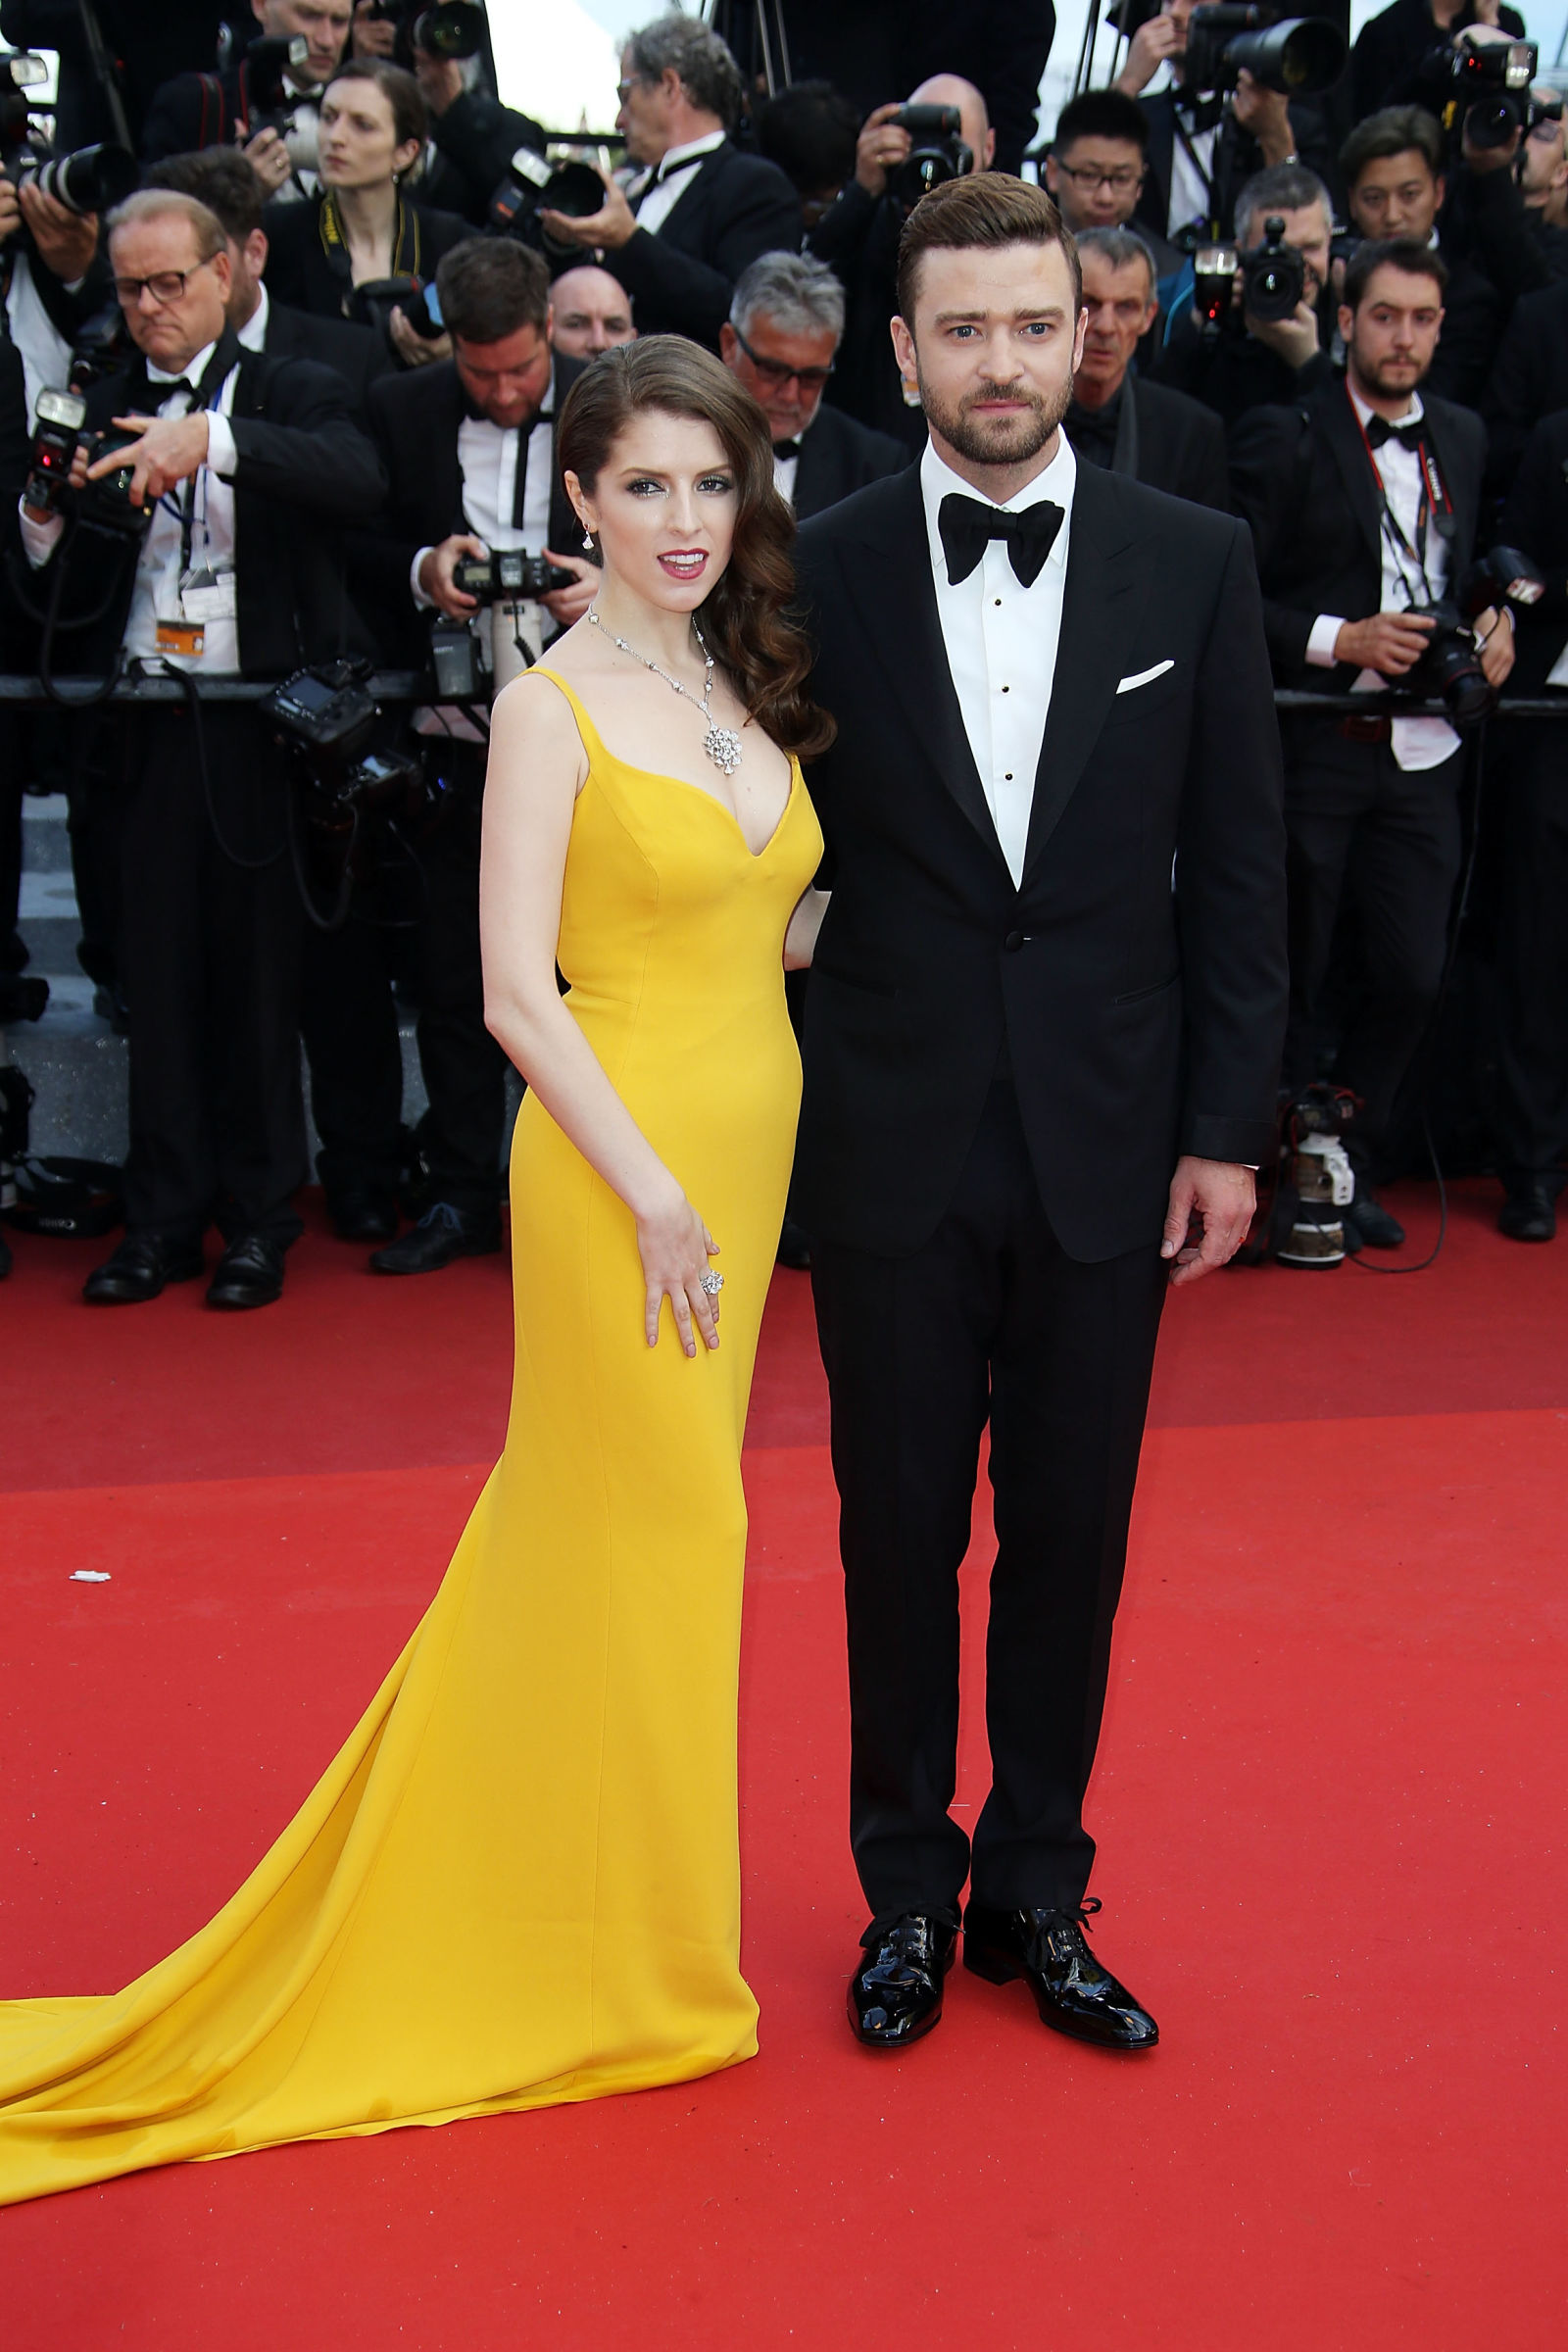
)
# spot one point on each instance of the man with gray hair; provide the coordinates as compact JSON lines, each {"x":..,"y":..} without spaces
{"x":697,"y":210}
{"x":1249,"y":362}
{"x":1118,"y":419}
{"x":782,"y":336}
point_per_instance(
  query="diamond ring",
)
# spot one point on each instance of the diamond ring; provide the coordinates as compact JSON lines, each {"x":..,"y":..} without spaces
{"x":712,"y":1282}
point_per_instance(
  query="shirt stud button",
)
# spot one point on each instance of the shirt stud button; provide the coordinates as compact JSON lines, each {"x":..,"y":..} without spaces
{"x":1013,"y":942}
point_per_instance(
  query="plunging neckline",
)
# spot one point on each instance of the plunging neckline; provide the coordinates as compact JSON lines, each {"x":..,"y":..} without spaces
{"x":683,"y":783}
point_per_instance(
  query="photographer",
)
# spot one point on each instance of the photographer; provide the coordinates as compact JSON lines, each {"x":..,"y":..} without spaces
{"x":1242,"y":359}
{"x":780,"y":341}
{"x":810,"y":131}
{"x":468,"y":447}
{"x":1116,"y":419}
{"x":361,"y":247}
{"x":239,"y":467}
{"x":858,"y":238}
{"x":1096,"y":168}
{"x":1391,"y":165}
{"x":1363,"y":505}
{"x":50,"y":276}
{"x":268,"y":104}
{"x":1204,"y":143}
{"x":699,"y":210}
{"x":1392,"y":50}
{"x":474,"y":137}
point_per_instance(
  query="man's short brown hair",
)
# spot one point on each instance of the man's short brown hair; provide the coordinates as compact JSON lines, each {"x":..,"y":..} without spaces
{"x":489,"y":287}
{"x":984,"y":209}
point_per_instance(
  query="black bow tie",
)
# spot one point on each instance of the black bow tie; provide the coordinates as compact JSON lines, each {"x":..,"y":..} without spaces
{"x":1093,"y":432}
{"x":1203,"y":112}
{"x":1411,"y":435}
{"x":786,"y":448}
{"x":966,"y":527}
{"x":475,"y":414}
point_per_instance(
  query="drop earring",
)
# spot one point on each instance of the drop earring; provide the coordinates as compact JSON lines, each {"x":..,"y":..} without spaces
{"x":588,"y":541}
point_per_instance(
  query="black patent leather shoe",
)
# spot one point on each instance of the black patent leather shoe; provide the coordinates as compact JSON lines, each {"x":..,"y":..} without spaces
{"x":1073,"y":1994}
{"x":1529,"y":1215}
{"x":442,"y":1233}
{"x":139,"y":1269}
{"x":895,"y":1993}
{"x":361,"y":1212}
{"x":250,"y":1273}
{"x":1369,"y":1226}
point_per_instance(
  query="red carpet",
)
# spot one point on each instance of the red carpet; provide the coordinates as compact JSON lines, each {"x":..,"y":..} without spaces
{"x":1330,"y":1803}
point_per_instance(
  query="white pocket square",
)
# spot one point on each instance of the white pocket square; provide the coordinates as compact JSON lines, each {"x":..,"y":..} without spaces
{"x":1144,"y":677}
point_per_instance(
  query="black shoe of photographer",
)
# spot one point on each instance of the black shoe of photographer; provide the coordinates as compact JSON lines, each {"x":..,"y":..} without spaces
{"x":139,"y":1269}
{"x":250,"y":1273}
{"x":442,"y":1233}
{"x":1529,"y":1215}
{"x":1369,"y":1226}
{"x":1073,"y":1994}
{"x":361,"y":1212}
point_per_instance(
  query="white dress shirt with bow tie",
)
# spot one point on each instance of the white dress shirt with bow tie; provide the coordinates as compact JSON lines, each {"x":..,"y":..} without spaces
{"x":1002,"y":639}
{"x":655,"y":195}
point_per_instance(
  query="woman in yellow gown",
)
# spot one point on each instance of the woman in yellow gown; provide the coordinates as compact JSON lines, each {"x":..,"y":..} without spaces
{"x":518,"y":1882}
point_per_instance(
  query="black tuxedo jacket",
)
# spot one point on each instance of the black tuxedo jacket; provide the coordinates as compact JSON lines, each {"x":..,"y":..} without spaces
{"x":1529,"y":380}
{"x":303,"y":472}
{"x":299,"y":272}
{"x":351,"y":352}
{"x":1141,"y":1017}
{"x":1170,"y":443}
{"x":1474,"y":316}
{"x":838,"y":455}
{"x":1535,"y":520}
{"x":415,"y":421}
{"x":1304,"y":482}
{"x":681,"y":277}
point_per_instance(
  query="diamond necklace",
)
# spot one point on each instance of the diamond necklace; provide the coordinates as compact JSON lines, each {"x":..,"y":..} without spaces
{"x":721,"y":744}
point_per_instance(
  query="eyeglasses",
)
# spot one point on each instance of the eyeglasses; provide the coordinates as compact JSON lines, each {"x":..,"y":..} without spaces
{"x":164,"y":285}
{"x":776,"y":375}
{"x":624,"y":89}
{"x":1088,"y":177}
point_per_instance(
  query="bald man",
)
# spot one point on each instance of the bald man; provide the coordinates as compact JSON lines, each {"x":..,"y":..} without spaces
{"x":857,"y":237}
{"x":590,"y":311}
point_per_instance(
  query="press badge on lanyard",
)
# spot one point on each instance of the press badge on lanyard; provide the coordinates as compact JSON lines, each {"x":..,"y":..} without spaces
{"x":207,"y":592}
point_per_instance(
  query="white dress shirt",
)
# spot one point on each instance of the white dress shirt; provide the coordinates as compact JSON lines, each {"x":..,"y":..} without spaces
{"x":1417,"y":743}
{"x":45,"y":352}
{"x":1002,"y":639}
{"x":662,"y":188}
{"x":784,"y":472}
{"x":253,"y":334}
{"x":156,"y":596}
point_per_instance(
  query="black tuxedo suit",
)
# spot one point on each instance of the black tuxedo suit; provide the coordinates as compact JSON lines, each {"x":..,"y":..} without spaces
{"x":998,"y":1080}
{"x":351,"y":352}
{"x":681,"y":277}
{"x":1529,"y":380}
{"x":1237,"y":154}
{"x":1161,"y":438}
{"x":839,"y":456}
{"x":1356,"y":819}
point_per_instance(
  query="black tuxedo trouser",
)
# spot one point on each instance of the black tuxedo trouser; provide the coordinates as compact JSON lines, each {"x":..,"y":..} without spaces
{"x":210,"y":956}
{"x":991,"y":1320}
{"x":1359,"y":826}
{"x":1533,"y":957}
{"x":351,"y":1022}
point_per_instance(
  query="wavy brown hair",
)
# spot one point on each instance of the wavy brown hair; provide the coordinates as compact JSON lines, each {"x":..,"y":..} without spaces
{"x":746,"y":616}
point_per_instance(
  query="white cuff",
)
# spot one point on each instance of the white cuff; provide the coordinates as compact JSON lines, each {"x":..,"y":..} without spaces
{"x":1320,"y":645}
{"x":425,"y":603}
{"x":39,"y":539}
{"x":221,"y":454}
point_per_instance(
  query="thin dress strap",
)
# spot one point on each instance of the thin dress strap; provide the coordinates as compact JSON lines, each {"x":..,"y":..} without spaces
{"x":592,"y":741}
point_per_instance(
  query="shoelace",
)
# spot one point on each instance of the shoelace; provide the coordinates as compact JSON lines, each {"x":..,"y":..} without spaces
{"x":442,"y":1212}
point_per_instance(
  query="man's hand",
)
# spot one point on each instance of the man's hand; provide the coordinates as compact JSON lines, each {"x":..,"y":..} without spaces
{"x":606,"y":231}
{"x":435,"y":575}
{"x":1295,"y":339}
{"x":1151,"y":45}
{"x":418,"y":349}
{"x":566,"y":605}
{"x":10,"y":209}
{"x":1266,"y":114}
{"x":167,"y":449}
{"x":440,"y":78}
{"x":373,"y":36}
{"x":1211,"y":1206}
{"x":66,"y":241}
{"x":1495,"y":639}
{"x":267,"y":157}
{"x":1491,"y":159}
{"x":76,"y":476}
{"x":1390,"y":643}
{"x":880,"y":148}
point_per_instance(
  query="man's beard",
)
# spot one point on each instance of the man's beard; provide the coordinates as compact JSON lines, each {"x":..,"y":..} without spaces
{"x":1376,"y":379}
{"x":997,"y":440}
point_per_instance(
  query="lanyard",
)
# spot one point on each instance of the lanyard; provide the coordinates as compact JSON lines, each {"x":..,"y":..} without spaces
{"x":1434,"y":507}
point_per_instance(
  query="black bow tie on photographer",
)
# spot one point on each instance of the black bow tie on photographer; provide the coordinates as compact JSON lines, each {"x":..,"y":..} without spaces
{"x":1200,"y":111}
{"x":1411,"y":435}
{"x":966,"y":527}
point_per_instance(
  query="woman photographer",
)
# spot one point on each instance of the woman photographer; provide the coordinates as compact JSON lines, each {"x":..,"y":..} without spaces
{"x":363,"y":247}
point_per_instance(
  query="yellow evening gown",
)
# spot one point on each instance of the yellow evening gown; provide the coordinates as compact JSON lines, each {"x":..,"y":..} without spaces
{"x":518,"y":1883}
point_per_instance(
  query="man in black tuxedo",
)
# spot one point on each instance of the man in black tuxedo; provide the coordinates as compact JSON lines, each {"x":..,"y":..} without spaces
{"x":1364,"y":504}
{"x":203,"y":108}
{"x":1144,"y":430}
{"x":236,"y":571}
{"x":1042,"y":1042}
{"x":468,"y":444}
{"x":1247,"y":362}
{"x":699,"y":210}
{"x":780,"y":340}
{"x":1529,"y":380}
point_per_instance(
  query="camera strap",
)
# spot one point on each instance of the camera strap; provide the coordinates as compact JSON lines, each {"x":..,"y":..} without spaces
{"x":1434,"y":512}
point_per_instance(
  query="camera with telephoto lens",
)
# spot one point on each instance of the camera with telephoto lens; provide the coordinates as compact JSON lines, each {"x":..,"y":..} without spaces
{"x":450,"y":28}
{"x":341,"y":740}
{"x":937,"y":153}
{"x":1482,"y":89}
{"x":269,"y":60}
{"x":1273,"y":275}
{"x":1301,"y":56}
{"x":534,"y":185}
{"x":89,"y":180}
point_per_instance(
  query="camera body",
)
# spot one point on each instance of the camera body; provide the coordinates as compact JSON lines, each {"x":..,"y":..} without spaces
{"x":1489,"y":88}
{"x":448,"y":28}
{"x":478,"y":657}
{"x":1273,"y":275}
{"x":330,"y":719}
{"x":268,"y":100}
{"x":534,"y":185}
{"x":937,"y":152}
{"x":1449,"y":669}
{"x":509,"y":574}
{"x":1299,"y":56}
